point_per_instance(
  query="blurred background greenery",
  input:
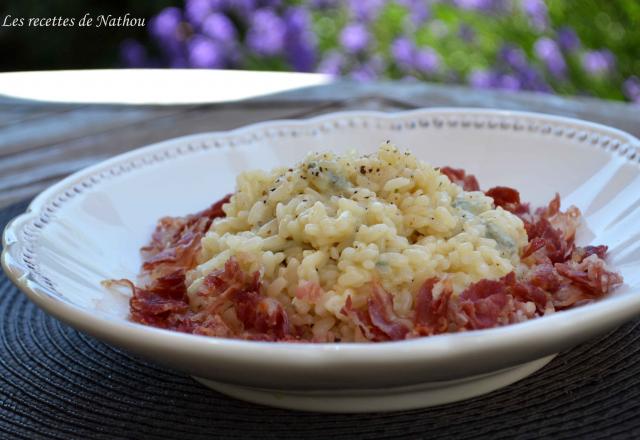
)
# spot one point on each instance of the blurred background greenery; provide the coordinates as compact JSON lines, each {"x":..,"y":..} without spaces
{"x":581,"y":47}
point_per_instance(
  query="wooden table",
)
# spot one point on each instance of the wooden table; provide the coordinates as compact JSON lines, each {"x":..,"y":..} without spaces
{"x":41,"y":142}
{"x":58,"y":383}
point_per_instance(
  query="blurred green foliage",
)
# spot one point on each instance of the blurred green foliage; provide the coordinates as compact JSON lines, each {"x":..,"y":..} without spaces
{"x":467,"y":42}
{"x":614,"y":25}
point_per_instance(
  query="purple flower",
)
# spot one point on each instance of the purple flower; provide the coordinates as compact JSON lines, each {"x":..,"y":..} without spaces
{"x":427,"y":60}
{"x":368,"y":70}
{"x":473,"y":4}
{"x":301,"y":56}
{"x":365,"y":72}
{"x":631,"y":88}
{"x":270,"y":4}
{"x":418,"y":10}
{"x":243,"y":7}
{"x":204,"y":53}
{"x":520,"y":75}
{"x":403,"y":52}
{"x":323,"y":4}
{"x":331,"y":64}
{"x":219,"y":27}
{"x":480,"y":5}
{"x":365,"y":10}
{"x":568,"y":39}
{"x":132,"y":53}
{"x":408,"y":56}
{"x":598,"y":62}
{"x":299,"y":40}
{"x":509,"y":82}
{"x":197,"y":10}
{"x":179,"y":61}
{"x":354,"y":38}
{"x":531,"y":79}
{"x":266,"y":33}
{"x":482,"y":79}
{"x":298,"y":20}
{"x":514,"y":57}
{"x":537,"y":12}
{"x":548,"y":51}
{"x":164,"y":26}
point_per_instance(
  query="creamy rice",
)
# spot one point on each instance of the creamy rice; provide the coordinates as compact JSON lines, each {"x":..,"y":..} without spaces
{"x":323,"y":231}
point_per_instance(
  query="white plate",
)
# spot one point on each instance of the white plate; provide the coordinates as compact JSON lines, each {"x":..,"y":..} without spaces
{"x":149,"y":86}
{"x":90,"y":226}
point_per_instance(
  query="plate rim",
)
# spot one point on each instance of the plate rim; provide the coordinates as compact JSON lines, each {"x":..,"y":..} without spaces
{"x":302,"y":353}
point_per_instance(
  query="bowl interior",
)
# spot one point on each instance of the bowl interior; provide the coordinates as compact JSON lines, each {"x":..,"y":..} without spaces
{"x":90,"y":227}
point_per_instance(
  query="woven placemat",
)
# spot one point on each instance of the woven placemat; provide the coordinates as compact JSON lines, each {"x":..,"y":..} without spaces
{"x":57,"y":383}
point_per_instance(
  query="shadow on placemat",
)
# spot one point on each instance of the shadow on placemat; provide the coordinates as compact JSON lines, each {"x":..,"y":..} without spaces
{"x":57,"y":383}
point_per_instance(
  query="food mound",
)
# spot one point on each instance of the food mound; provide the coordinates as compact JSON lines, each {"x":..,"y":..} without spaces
{"x":373,"y":248}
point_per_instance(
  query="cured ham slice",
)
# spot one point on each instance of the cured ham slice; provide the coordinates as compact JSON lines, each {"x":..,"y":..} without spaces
{"x":554,"y":274}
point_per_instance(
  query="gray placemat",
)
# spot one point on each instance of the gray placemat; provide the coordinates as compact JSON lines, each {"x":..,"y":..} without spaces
{"x":57,"y":383}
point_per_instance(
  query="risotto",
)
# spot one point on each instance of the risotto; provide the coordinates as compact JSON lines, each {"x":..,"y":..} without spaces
{"x":364,"y":248}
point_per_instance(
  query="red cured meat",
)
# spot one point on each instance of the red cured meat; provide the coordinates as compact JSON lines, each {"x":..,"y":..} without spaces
{"x":232,"y":303}
{"x":468,"y":182}
{"x":382,"y":315}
